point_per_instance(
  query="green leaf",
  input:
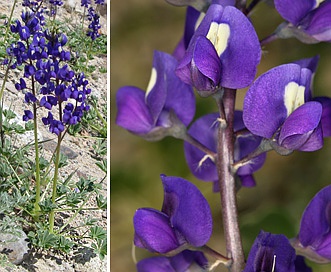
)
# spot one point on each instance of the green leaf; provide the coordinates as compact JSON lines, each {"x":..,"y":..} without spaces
{"x":97,"y":232}
{"x":101,"y":202}
{"x":45,"y":239}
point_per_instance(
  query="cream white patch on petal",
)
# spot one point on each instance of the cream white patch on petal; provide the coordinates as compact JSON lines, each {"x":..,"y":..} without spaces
{"x":152,"y":81}
{"x":294,"y":96}
{"x":201,"y":16}
{"x":318,"y":2}
{"x":219,"y":35}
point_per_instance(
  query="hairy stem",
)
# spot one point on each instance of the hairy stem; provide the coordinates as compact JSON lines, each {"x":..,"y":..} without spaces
{"x":36,"y":147}
{"x":56,"y":173}
{"x":225,"y":151}
{"x":55,"y":178}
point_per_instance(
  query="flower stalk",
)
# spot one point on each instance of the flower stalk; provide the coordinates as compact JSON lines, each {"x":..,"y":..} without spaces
{"x":36,"y":211}
{"x":225,"y":158}
{"x":55,"y":178}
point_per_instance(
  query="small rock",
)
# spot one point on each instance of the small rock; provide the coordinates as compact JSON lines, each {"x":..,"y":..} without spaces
{"x":51,"y":146}
{"x":15,"y":246}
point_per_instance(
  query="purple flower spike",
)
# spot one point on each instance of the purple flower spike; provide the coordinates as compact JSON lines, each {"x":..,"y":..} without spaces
{"x":203,"y":167}
{"x":315,"y":234}
{"x":167,"y":103}
{"x":181,"y":262}
{"x":278,"y":107}
{"x":223,"y":52}
{"x":185,"y":219}
{"x":271,"y":252}
{"x":310,"y":19}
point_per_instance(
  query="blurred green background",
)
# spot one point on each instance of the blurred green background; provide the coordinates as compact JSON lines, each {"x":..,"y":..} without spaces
{"x":285,"y":185}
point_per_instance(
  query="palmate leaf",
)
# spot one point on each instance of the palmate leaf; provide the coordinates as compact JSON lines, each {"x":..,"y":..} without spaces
{"x":100,"y":248}
{"x":45,"y":239}
{"x":97,"y":232}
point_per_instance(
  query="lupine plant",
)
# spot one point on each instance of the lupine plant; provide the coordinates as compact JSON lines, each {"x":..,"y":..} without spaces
{"x":218,"y":54}
{"x":55,"y":96}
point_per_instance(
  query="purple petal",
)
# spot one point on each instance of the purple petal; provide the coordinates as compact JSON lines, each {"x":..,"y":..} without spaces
{"x":310,"y":63}
{"x":180,"y":96}
{"x":132,"y":112}
{"x":184,"y":260}
{"x":326,"y":115}
{"x":299,"y":126}
{"x":207,"y":170}
{"x":243,"y":54}
{"x":207,"y":63}
{"x":318,"y":23}
{"x":315,"y":141}
{"x":155,"y":264}
{"x":180,"y":262}
{"x":267,"y":249}
{"x":167,"y":92}
{"x":315,"y":224}
{"x":188,"y":210}
{"x":157,"y":89}
{"x":264,"y":104}
{"x":294,"y":10}
{"x":153,"y":231}
{"x":245,"y":145}
{"x":247,"y":180}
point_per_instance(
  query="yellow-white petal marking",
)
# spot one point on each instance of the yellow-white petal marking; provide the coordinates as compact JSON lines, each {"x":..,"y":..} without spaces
{"x":294,"y":96}
{"x":219,"y":35}
{"x":151,"y":82}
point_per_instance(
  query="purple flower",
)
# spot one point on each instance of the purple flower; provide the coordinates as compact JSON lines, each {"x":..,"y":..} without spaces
{"x":315,"y":235}
{"x":29,"y":97}
{"x":205,"y":131}
{"x":185,"y":219}
{"x":223,"y":52}
{"x":20,"y":86}
{"x":310,"y":19}
{"x":94,"y":26}
{"x":56,"y":2}
{"x":28,"y":115}
{"x":85,"y":3}
{"x":271,"y":252}
{"x":278,"y":106}
{"x":153,"y":114}
{"x":181,"y":262}
{"x":99,"y":2}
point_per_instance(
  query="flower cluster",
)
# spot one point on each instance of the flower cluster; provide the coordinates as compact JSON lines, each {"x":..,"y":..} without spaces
{"x":94,"y":26}
{"x":219,"y":53}
{"x":53,"y":83}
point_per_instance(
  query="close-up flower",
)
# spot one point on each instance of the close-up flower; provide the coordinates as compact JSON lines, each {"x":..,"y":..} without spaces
{"x":184,"y":221}
{"x":223,"y":52}
{"x":314,"y":236}
{"x":167,"y":101}
{"x":309,"y":20}
{"x":285,"y":111}
{"x":273,"y":252}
